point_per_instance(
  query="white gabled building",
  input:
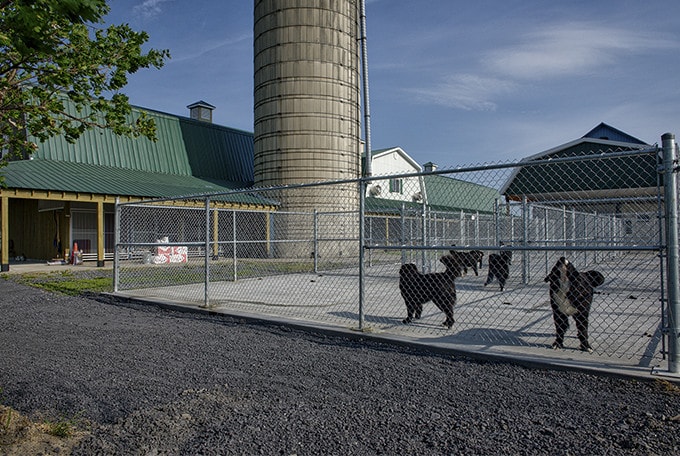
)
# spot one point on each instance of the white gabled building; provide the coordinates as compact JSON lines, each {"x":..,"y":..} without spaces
{"x":391,"y":162}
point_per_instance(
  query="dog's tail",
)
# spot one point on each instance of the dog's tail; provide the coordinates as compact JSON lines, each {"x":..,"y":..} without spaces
{"x":595,"y":278}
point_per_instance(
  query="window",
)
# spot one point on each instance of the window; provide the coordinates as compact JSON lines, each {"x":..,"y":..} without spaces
{"x":396,"y":186}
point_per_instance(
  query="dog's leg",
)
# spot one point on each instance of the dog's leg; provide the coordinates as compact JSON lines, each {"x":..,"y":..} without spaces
{"x":449,"y":316}
{"x":445,"y":304}
{"x":503,"y":276}
{"x":489,"y":278}
{"x":410,"y":309}
{"x":474,"y":268}
{"x":561,"y":325}
{"x":581,"y":320}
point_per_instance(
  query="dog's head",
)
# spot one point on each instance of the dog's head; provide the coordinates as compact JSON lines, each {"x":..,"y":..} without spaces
{"x":408,"y":270}
{"x":455,"y":255}
{"x":562,"y":271}
{"x":594,"y":278}
{"x":453,"y":263}
{"x":565,"y":270}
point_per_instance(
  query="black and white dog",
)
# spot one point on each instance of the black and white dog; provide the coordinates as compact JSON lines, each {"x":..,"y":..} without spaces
{"x":439,"y":287}
{"x":571,"y":295}
{"x":499,"y":267}
{"x":471,"y":259}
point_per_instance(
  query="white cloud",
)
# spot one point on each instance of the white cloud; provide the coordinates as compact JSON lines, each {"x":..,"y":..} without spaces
{"x":204,"y":48}
{"x":548,"y":53}
{"x":149,"y":8}
{"x":570,"y":48}
{"x":466,"y":91}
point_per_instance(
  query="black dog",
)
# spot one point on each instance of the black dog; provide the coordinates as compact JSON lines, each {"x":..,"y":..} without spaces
{"x":472,"y":259}
{"x":571,"y":294}
{"x":499,"y":267}
{"x":439,"y":287}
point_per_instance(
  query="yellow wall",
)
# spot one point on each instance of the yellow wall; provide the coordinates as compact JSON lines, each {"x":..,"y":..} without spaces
{"x":37,"y":235}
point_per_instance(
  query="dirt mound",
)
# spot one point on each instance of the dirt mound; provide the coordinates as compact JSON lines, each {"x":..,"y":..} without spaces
{"x":20,"y":436}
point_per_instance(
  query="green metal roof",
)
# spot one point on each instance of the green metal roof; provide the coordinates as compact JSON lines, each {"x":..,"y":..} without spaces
{"x":218,"y":152}
{"x":105,"y":148}
{"x":616,"y":173}
{"x":185,"y":147}
{"x":443,"y":194}
{"x":58,"y":175}
{"x":458,"y":194}
{"x":389,"y":206}
{"x":189,"y":158}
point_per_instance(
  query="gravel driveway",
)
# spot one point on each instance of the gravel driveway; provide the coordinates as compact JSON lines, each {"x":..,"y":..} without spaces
{"x":153,"y":381}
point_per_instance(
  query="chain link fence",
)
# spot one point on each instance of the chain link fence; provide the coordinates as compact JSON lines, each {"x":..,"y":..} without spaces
{"x":295,"y":252}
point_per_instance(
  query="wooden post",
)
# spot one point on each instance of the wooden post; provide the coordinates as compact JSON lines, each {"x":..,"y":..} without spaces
{"x":101,"y":248}
{"x":216,"y":233}
{"x":4,"y":233}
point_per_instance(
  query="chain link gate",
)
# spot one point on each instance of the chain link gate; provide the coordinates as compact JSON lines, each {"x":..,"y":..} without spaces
{"x":250,"y":253}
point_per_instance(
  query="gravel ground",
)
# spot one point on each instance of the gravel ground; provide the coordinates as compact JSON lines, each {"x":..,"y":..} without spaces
{"x":151,"y":381}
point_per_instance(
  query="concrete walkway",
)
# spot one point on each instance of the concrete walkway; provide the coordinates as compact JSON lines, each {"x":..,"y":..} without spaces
{"x":25,"y":267}
{"x":383,"y":322}
{"x":328,"y":302}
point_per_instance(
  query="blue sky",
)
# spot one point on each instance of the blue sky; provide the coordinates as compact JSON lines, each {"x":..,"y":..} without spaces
{"x":452,"y":82}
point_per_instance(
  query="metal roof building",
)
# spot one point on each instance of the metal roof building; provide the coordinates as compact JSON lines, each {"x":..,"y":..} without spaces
{"x":66,"y":191}
{"x":608,"y":176}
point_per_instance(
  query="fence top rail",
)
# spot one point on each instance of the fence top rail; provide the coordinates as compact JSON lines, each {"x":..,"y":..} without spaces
{"x":162,"y":244}
{"x":602,"y":155}
{"x":522,"y":248}
{"x":259,"y":192}
{"x":626,"y":199}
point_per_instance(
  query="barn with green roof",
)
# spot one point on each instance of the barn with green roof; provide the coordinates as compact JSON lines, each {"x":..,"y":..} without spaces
{"x":611,"y":169}
{"x":66,"y":192}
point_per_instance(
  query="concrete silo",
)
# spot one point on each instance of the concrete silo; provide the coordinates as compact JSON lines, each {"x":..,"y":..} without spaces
{"x":307,"y":101}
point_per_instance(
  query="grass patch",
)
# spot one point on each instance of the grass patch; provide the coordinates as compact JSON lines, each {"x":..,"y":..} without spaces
{"x":64,"y":428}
{"x":69,"y":283}
{"x":667,"y":386}
{"x":79,"y":282}
{"x":79,"y":286}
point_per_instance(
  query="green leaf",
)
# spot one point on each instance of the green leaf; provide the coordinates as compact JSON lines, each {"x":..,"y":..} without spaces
{"x":50,"y":54}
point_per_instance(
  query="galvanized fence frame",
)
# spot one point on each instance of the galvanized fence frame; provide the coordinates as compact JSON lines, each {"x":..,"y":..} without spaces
{"x":531,"y":230}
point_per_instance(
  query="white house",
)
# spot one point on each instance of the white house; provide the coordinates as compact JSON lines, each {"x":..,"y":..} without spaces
{"x":391,"y":162}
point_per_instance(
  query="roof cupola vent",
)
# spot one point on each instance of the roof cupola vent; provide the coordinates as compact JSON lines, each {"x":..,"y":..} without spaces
{"x":201,"y":111}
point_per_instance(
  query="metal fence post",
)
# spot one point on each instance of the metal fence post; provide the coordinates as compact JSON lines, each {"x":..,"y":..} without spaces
{"x":116,"y":241}
{"x":672,"y":262}
{"x":546,"y":260}
{"x":369,"y":237}
{"x":206,"y":258}
{"x":362,"y":229}
{"x":496,"y":220}
{"x":316,"y":241}
{"x":403,"y":231}
{"x":525,"y":239}
{"x":423,"y":228}
{"x":234,"y":245}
